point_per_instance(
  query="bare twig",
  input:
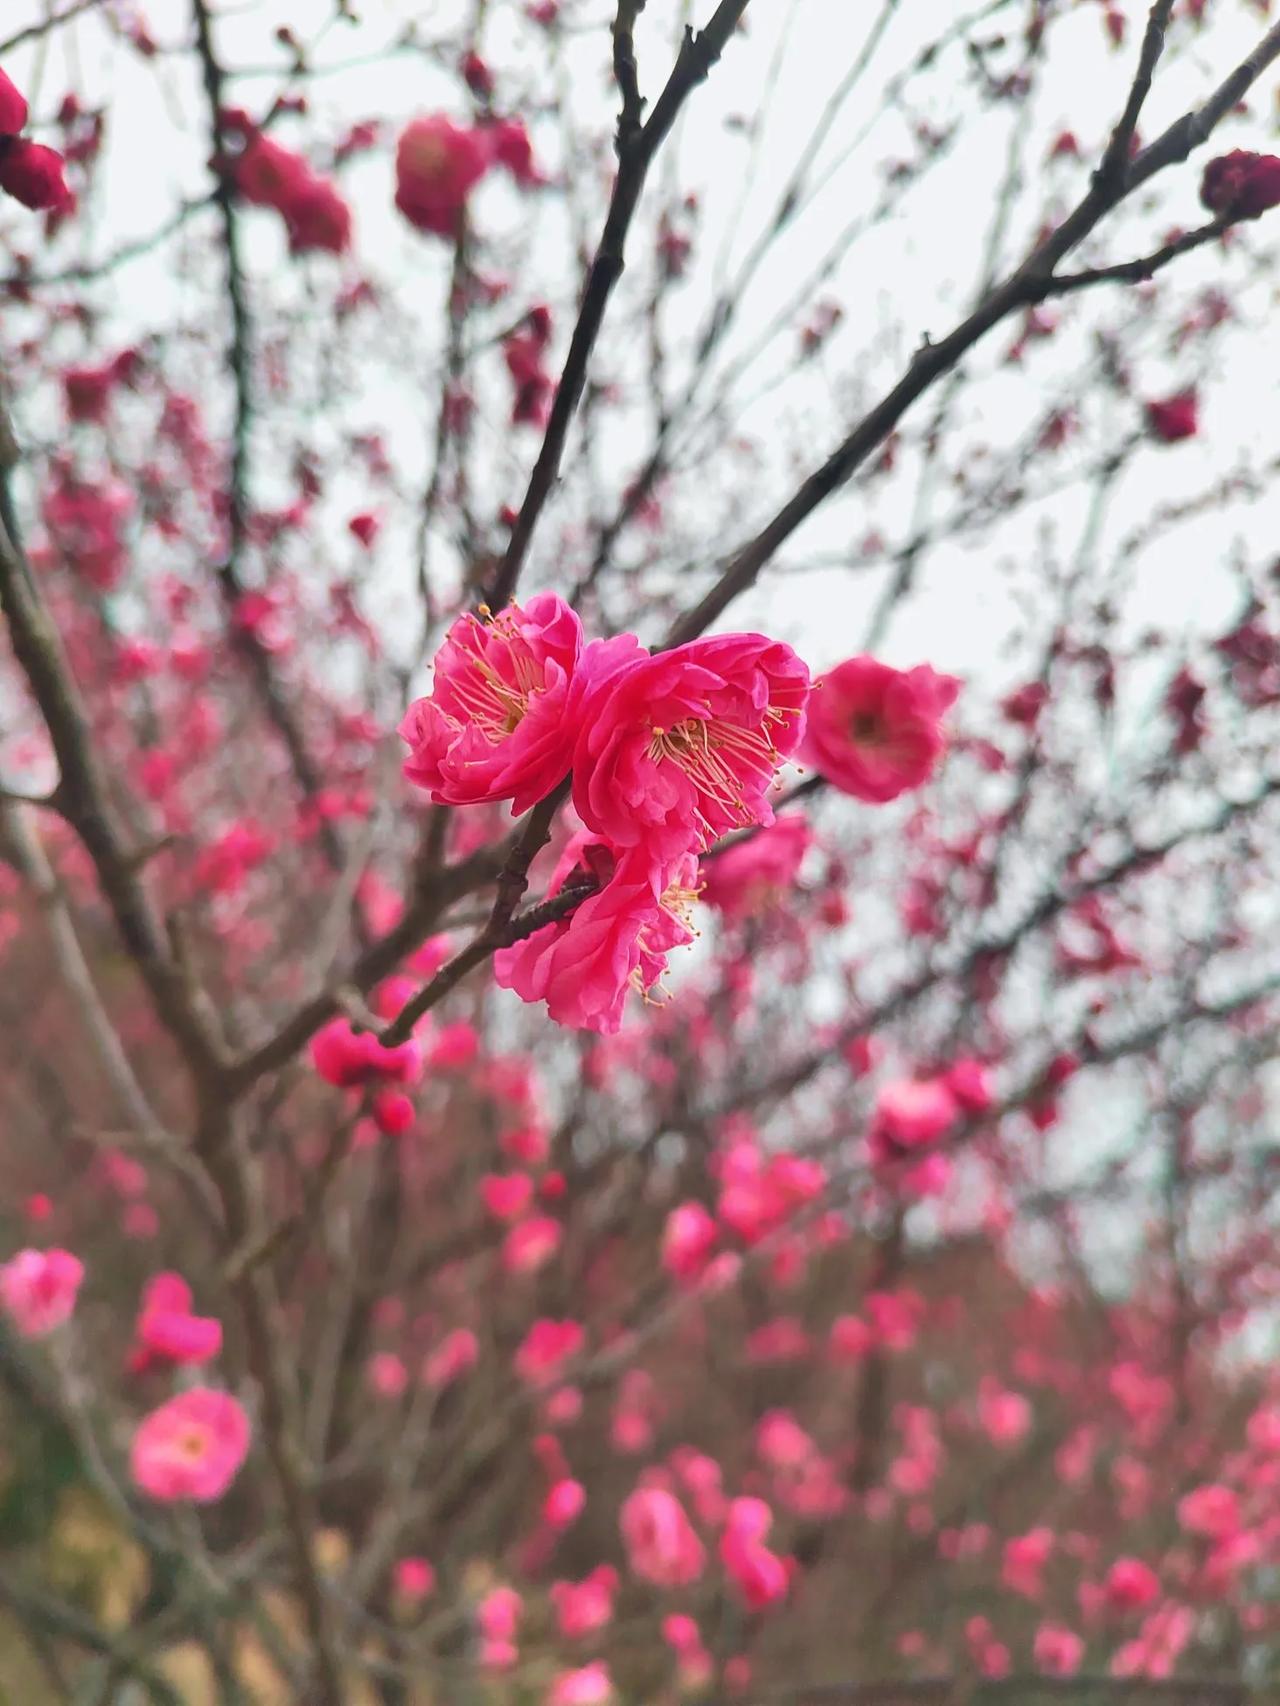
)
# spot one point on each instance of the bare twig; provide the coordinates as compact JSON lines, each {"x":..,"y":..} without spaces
{"x":1027,"y":284}
{"x":699,"y":53}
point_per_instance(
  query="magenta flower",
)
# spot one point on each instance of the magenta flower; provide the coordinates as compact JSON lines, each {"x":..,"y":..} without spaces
{"x":167,"y":1331}
{"x":38,"y":1289}
{"x":677,"y":749}
{"x":584,"y":966}
{"x":662,"y":1545}
{"x":876,"y":732}
{"x":190,"y":1448}
{"x":1241,"y":185}
{"x":494,"y":726}
{"x":438,"y":164}
{"x":756,"y":874}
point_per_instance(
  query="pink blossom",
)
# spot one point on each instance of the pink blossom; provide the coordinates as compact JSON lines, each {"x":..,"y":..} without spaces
{"x":546,"y":1347}
{"x":876,"y":732}
{"x":190,"y":1448}
{"x":455,"y":1355}
{"x":564,"y":1503}
{"x":386,"y":1374}
{"x":588,"y":1686}
{"x":760,"y":1577}
{"x":167,"y":1331}
{"x":662,"y":1545}
{"x":757,"y":873}
{"x":13,"y":107}
{"x":438,"y":164}
{"x":34,"y":175}
{"x":1171,"y":419}
{"x":498,"y":1614}
{"x":349,"y":1058}
{"x":1005,"y":1417}
{"x":511,"y":148}
{"x":615,"y":941}
{"x":495,"y":724}
{"x":970,"y":1084}
{"x":677,"y":749}
{"x":908,"y":1115}
{"x":584,"y":1607}
{"x":849,"y":1340}
{"x":1212,"y":1511}
{"x":414,"y":1580}
{"x":1241,"y":185}
{"x":506,"y":1196}
{"x":530,"y":1244}
{"x":38,"y":1289}
{"x":1130,"y":1585}
{"x":895,"y":1317}
{"x":1023,"y":1561}
{"x":687,"y":1241}
{"x":1057,"y":1651}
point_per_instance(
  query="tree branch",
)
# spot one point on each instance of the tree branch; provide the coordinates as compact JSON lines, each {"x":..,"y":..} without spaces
{"x":700,"y":52}
{"x":1025,"y":286}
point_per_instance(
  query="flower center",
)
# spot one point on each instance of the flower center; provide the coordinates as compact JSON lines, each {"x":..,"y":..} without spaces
{"x":865,"y":729}
{"x":496,"y":699}
{"x":190,"y":1444}
{"x":716,"y":756}
{"x":428,"y":157}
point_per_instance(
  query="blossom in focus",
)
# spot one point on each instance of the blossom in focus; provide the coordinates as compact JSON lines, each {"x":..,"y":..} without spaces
{"x":876,"y":732}
{"x":190,"y":1448}
{"x":38,"y":1289}
{"x":677,"y":749}
{"x":495,"y":725}
{"x":615,"y":941}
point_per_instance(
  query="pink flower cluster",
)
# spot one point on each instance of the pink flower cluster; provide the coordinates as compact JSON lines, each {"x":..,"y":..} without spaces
{"x":667,"y":753}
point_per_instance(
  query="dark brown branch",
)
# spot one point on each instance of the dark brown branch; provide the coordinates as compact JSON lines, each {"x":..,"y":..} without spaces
{"x":1140,"y":269}
{"x":378,"y":960}
{"x":499,"y":931}
{"x":626,"y":75}
{"x":699,"y":53}
{"x":1111,"y":172}
{"x":83,"y":798}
